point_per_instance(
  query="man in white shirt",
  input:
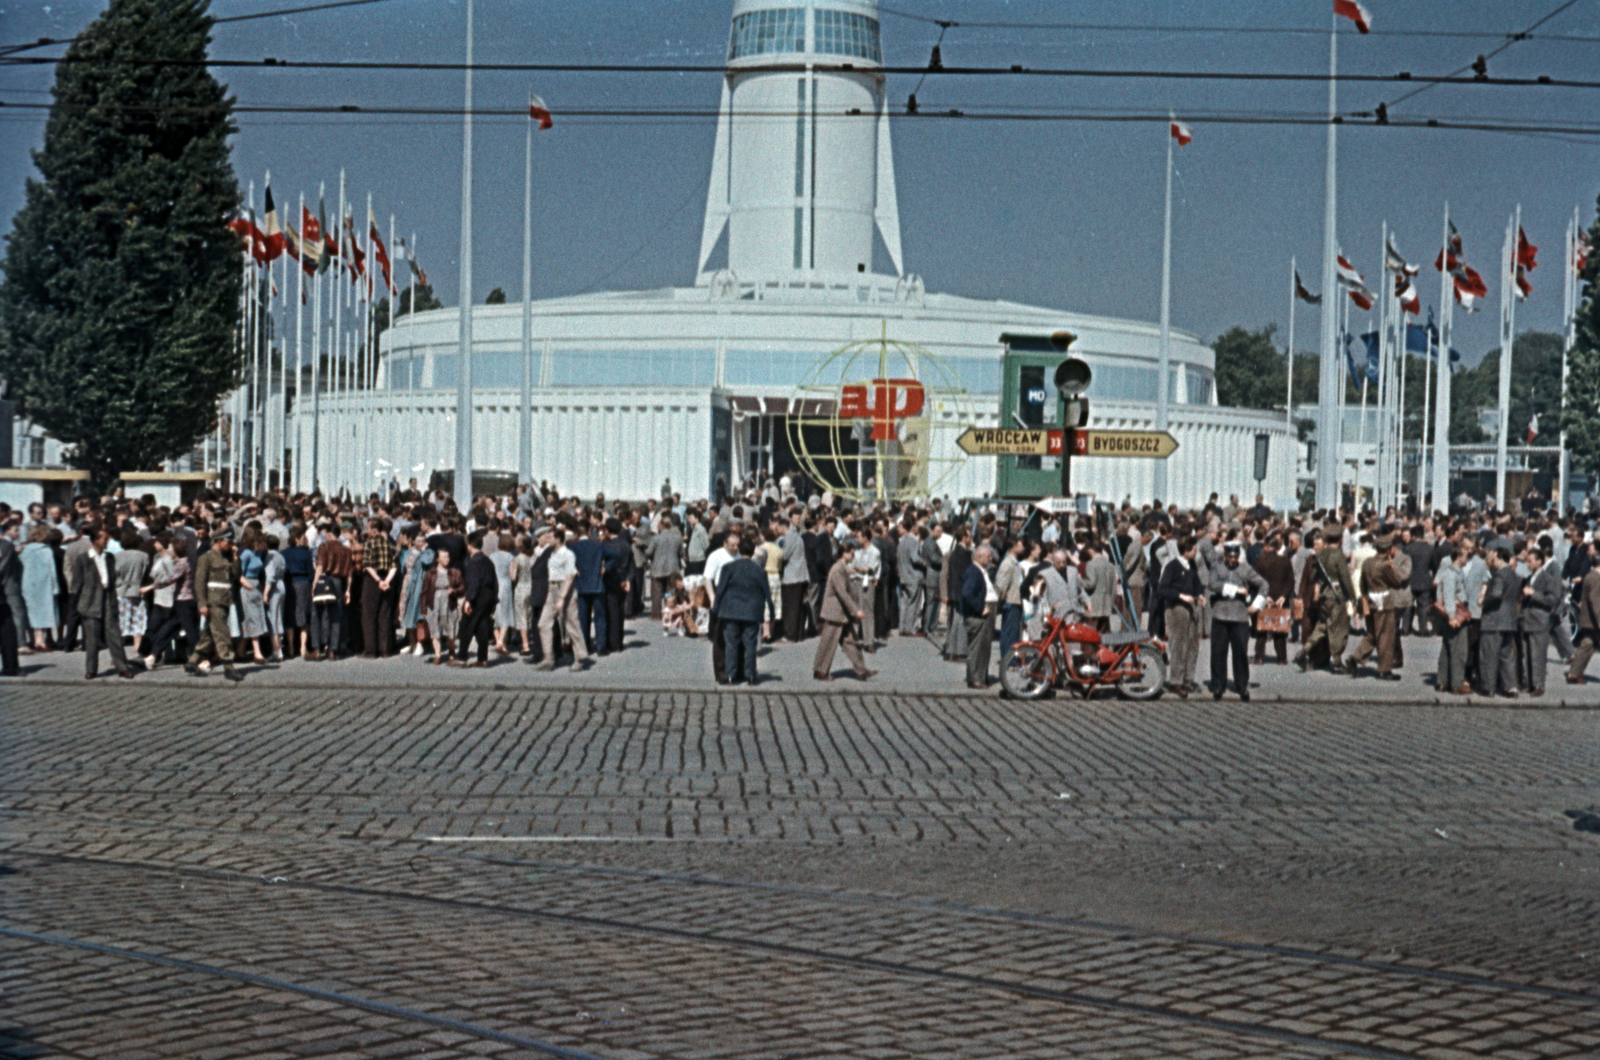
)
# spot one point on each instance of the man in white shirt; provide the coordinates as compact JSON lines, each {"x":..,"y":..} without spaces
{"x":866,"y":568}
{"x":561,"y":602}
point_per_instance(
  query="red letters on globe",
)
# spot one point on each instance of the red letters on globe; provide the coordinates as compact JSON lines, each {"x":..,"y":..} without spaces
{"x":890,"y":400}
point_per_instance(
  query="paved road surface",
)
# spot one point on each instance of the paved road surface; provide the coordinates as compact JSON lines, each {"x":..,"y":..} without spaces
{"x":201,"y":871}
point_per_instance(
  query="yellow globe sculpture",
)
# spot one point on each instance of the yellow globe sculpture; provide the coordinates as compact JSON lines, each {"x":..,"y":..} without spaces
{"x":877,"y":421}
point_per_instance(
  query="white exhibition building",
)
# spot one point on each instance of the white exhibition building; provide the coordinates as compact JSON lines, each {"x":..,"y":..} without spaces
{"x":632,"y":388}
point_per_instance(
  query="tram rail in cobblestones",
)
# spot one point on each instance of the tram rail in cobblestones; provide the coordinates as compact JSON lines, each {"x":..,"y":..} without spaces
{"x":789,"y":950}
{"x":488,"y":1034}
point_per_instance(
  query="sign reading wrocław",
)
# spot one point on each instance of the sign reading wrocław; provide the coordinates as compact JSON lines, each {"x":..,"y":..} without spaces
{"x":1003,"y":441}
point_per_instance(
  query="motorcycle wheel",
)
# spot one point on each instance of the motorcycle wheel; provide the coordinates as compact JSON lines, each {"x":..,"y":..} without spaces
{"x":1026,"y":672}
{"x":1151,"y":680}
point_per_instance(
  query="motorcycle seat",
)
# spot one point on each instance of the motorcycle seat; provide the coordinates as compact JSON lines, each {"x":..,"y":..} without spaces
{"x":1116,"y":640}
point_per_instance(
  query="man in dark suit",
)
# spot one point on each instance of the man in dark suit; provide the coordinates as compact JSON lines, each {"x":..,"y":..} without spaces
{"x":480,"y":592}
{"x":618,"y":578}
{"x":12,"y":614}
{"x":94,"y":601}
{"x":589,"y":555}
{"x":743,"y":598}
{"x":1502,"y":607}
{"x":539,"y":591}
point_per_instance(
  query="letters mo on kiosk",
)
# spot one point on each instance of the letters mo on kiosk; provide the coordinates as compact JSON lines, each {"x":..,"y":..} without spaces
{"x":1033,"y":368}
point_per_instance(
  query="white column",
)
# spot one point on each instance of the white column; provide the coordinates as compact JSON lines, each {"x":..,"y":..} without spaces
{"x":525,"y":419}
{"x":1508,"y":331}
{"x":1441,"y":398}
{"x":1164,"y":361}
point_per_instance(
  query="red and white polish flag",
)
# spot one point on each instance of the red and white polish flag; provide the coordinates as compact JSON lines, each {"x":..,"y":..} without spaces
{"x":1180,"y":132}
{"x":1352,"y":10}
{"x":539,"y":112}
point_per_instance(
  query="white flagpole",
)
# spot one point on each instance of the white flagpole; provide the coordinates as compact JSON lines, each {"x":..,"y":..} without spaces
{"x":1288,"y":401}
{"x":1507,"y":338}
{"x":299,"y":347}
{"x":463,"y":472}
{"x":1380,"y":463}
{"x":369,"y":356}
{"x":1344,"y":391}
{"x":1423,"y":487}
{"x":1164,"y":363}
{"x":391,"y":294}
{"x":1397,"y":463}
{"x":1569,"y":307}
{"x":525,"y":426}
{"x":1330,"y":449}
{"x":1441,"y":397}
{"x":265,"y":401}
{"x":314,"y":479}
{"x":337,"y":368}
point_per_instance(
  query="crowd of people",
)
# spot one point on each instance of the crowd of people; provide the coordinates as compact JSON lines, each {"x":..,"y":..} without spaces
{"x":556,"y":580}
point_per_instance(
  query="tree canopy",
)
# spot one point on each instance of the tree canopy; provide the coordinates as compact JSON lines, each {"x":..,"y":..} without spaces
{"x":122,"y":279}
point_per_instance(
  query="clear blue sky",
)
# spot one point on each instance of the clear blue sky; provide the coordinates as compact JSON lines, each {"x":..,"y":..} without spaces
{"x":1060,"y":214}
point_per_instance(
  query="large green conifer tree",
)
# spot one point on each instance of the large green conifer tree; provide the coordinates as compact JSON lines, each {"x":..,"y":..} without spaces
{"x":1581,"y":417}
{"x":121,"y":277}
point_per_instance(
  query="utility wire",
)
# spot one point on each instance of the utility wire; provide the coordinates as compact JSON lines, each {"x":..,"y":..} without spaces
{"x":707,"y":114}
{"x":1480,"y":63}
{"x":1298,"y":31}
{"x":1542,"y":81}
{"x":45,"y":42}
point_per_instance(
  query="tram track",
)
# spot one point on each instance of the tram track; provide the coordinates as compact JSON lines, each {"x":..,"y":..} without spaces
{"x":723,"y":939}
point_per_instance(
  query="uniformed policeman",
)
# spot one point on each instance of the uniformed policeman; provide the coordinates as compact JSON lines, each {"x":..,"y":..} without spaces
{"x":1334,"y":593}
{"x":215,"y":575}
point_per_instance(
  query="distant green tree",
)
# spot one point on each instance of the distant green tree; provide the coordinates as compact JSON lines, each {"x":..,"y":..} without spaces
{"x":1581,"y":419}
{"x":120,"y":300}
{"x":496,"y":297}
{"x":1535,"y":388}
{"x":1249,"y":369}
{"x":424,"y":296}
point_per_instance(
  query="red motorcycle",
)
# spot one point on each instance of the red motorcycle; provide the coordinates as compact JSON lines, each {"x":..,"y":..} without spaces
{"x":1082,"y":659}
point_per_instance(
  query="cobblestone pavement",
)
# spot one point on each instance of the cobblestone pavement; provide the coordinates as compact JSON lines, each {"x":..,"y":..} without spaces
{"x":202,"y":871}
{"x":906,"y":665}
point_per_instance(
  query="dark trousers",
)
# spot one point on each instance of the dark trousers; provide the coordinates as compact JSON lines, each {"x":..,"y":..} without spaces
{"x":377,"y":619}
{"x":181,"y":617}
{"x":930,"y":609}
{"x":1280,"y":644}
{"x":351,"y":639}
{"x":886,"y":614}
{"x":326,"y":618}
{"x":1535,"y":659}
{"x":592,"y":609}
{"x":96,"y":636}
{"x":1474,"y":636}
{"x":794,"y":603}
{"x":719,"y":652}
{"x":479,"y":624}
{"x":71,"y":622}
{"x":980,"y":639}
{"x":737,"y":638}
{"x":1418,"y":620}
{"x":1010,"y":628}
{"x":1230,"y":638}
{"x":615,"y":601}
{"x":1497,"y":660}
{"x":9,"y":665}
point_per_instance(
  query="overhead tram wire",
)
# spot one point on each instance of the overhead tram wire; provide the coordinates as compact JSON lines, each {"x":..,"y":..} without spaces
{"x":1104,"y":27}
{"x":1381,"y":112}
{"x":45,"y":42}
{"x":1015,"y":70}
{"x":703,"y":114}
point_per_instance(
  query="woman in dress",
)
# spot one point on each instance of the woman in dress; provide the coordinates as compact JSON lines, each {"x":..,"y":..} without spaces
{"x":252,"y":603}
{"x":132,"y":563}
{"x":275,"y":589}
{"x":504,"y":611}
{"x":522,"y":590}
{"x":39,"y":586}
{"x":416,"y":558}
{"x":441,"y":595}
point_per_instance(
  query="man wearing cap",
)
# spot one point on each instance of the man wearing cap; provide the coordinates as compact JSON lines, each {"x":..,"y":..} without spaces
{"x":215,"y":575}
{"x":1233,"y":587}
{"x":1332,"y":592}
{"x":1386,"y":586}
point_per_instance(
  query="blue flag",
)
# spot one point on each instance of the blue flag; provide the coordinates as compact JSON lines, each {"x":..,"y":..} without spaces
{"x":1371,"y":339}
{"x":1421,"y":338}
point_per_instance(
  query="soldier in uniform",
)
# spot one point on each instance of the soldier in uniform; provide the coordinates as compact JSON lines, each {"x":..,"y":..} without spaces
{"x":1334,"y":590}
{"x":215,"y":575}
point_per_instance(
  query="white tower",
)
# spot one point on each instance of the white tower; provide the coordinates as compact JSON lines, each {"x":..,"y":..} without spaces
{"x":802,"y":171}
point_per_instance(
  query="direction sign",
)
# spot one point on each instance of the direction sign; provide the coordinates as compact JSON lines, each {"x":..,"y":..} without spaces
{"x":992,"y":441}
{"x":1056,"y":505}
{"x":1150,"y":445}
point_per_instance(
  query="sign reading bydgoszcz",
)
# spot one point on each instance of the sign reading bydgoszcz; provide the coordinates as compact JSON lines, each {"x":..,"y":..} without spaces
{"x":1004,"y":441}
{"x":1152,"y":445}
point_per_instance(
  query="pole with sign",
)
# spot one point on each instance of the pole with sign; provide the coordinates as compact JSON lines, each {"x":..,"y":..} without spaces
{"x":1072,"y":379}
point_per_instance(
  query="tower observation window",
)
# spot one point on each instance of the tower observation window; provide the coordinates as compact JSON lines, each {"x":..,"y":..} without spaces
{"x":843,"y":33}
{"x":769,"y":33}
